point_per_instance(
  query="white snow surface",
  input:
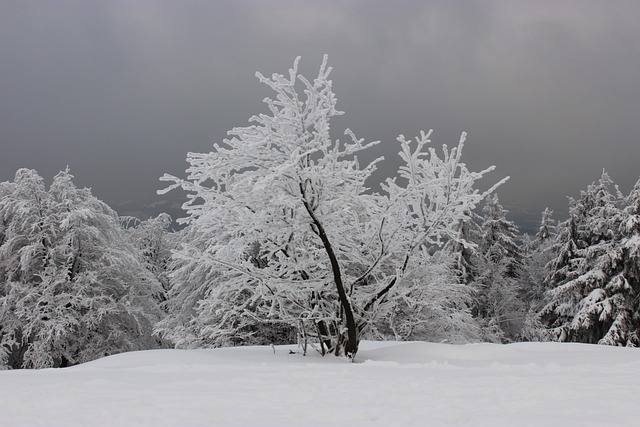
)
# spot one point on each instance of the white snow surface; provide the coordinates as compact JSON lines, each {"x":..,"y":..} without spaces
{"x":393,"y":384}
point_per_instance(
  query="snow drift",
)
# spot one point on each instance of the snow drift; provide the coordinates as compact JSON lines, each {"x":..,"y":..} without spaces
{"x":401,"y":384}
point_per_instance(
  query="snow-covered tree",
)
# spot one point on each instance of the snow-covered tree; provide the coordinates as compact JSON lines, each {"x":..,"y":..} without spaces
{"x":432,"y":306}
{"x":289,"y":232}
{"x":27,"y":231}
{"x":625,"y":328}
{"x":499,"y":238}
{"x":466,"y":251}
{"x":539,"y":256}
{"x":155,"y":239}
{"x":594,"y":292}
{"x":202,"y":313}
{"x":499,"y":286}
{"x":73,"y":288}
{"x":547,"y":229}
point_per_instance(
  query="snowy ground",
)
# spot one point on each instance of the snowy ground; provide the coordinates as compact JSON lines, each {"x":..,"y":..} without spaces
{"x":396,"y":384}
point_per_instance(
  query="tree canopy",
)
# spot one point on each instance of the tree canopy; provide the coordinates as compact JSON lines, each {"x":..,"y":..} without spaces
{"x":292,"y":235}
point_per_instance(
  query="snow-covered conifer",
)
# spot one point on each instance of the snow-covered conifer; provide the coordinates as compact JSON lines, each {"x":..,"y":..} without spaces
{"x":594,"y":292}
{"x":466,"y":252}
{"x":547,"y":229}
{"x":499,"y":238}
{"x":499,"y":287}
{"x":539,"y":255}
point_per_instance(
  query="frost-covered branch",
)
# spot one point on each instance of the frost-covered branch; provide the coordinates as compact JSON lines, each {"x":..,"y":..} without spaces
{"x":281,"y":201}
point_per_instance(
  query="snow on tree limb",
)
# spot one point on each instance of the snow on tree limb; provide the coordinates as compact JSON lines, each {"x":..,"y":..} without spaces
{"x":281,"y":201}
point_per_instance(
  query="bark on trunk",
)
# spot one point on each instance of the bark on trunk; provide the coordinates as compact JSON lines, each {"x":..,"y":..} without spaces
{"x":351,"y":346}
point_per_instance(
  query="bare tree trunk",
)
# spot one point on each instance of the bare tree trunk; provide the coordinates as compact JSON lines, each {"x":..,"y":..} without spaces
{"x":351,"y":346}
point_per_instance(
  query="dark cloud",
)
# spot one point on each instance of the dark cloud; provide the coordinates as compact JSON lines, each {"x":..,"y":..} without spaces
{"x":121,"y":90}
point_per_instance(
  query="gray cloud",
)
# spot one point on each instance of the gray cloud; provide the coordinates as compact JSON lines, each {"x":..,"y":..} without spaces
{"x":121,"y":90}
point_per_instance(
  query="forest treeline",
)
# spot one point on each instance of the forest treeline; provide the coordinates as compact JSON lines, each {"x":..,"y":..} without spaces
{"x":284,"y":242}
{"x":78,"y":282}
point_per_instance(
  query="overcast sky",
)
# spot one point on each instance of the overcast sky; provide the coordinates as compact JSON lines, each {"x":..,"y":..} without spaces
{"x":549,"y":91}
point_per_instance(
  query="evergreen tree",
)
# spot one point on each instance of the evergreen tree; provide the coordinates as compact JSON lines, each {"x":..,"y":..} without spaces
{"x":539,"y":257}
{"x":499,"y":238}
{"x":625,"y":285}
{"x":466,"y":252}
{"x":499,"y":289}
{"x":547,"y":230}
{"x":594,"y":292}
